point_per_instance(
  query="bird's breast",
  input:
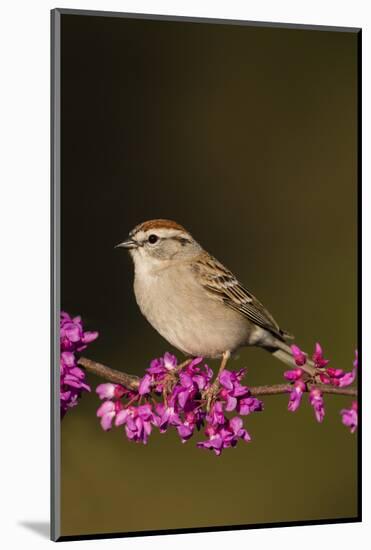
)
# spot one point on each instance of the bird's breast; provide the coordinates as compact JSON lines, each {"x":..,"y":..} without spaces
{"x":181,"y":310}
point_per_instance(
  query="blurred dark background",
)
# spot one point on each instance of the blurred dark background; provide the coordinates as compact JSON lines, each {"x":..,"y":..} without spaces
{"x":248,"y":137}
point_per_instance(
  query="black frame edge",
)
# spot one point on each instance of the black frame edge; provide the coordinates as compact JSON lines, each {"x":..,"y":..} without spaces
{"x":99,"y":536}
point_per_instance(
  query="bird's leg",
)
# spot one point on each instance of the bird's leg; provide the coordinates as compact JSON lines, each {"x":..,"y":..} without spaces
{"x":214,"y":388}
{"x":226,"y":355}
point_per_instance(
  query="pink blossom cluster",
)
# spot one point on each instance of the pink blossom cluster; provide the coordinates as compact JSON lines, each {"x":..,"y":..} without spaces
{"x":185,"y":400}
{"x":72,"y":379}
{"x":323,"y":375}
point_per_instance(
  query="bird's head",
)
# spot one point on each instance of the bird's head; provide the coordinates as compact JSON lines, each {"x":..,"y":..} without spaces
{"x":160,"y":241}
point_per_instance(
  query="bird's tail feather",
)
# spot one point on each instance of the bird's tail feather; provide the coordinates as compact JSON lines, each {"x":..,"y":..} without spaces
{"x":284,"y":357}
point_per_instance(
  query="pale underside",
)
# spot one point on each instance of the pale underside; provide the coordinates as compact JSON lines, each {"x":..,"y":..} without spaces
{"x":201,"y":309}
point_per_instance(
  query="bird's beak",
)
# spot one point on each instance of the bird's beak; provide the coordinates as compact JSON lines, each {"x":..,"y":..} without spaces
{"x":129,"y":243}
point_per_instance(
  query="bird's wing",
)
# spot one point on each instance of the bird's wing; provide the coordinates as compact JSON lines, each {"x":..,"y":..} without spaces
{"x":223,"y":285}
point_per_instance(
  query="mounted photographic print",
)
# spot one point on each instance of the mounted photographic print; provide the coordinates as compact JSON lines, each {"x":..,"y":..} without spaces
{"x":205,"y":194}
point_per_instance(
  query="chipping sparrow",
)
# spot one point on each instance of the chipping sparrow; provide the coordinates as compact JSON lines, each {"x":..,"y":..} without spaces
{"x":193,"y":301}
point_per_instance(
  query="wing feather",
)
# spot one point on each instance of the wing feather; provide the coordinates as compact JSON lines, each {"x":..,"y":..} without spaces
{"x":223,"y":285}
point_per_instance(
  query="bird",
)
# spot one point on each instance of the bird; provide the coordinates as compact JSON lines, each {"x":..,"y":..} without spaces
{"x":193,"y":301}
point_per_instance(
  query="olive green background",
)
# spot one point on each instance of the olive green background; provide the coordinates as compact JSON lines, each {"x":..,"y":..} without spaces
{"x":248,"y":137}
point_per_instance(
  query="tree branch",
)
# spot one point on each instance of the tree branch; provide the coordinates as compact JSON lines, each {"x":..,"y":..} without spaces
{"x":284,"y":388}
{"x":131,"y":382}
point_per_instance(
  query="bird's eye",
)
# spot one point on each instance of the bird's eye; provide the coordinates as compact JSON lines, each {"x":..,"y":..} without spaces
{"x":152,"y":239}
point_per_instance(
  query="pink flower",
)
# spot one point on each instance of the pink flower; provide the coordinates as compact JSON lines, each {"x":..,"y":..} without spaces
{"x":296,"y":395}
{"x":316,"y":400}
{"x":236,"y":426}
{"x":349,"y":377}
{"x":325,"y":379}
{"x":231,"y":389}
{"x":72,"y":379}
{"x":248,"y":405}
{"x":145,"y":384}
{"x":350,"y":417}
{"x":218,"y":440}
{"x":293,"y":374}
{"x":298,"y":355}
{"x":224,"y":436}
{"x":337,"y":377}
{"x":216,"y":415}
{"x":192,"y":419}
{"x":237,"y":396}
{"x":110,"y":391}
{"x":138,"y":422}
{"x":318,"y":358}
{"x":107,"y":412}
{"x":156,"y":373}
{"x":167,"y":415}
{"x":72,"y":335}
{"x":192,"y":380}
{"x":335,"y":373}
